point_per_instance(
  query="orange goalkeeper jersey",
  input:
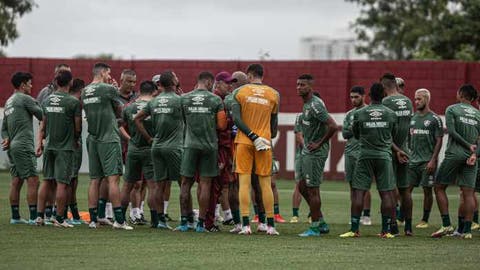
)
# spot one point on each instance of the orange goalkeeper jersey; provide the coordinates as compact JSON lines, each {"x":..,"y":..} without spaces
{"x":258,"y":102}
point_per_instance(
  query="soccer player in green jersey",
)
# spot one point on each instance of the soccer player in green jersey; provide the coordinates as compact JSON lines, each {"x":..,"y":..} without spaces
{"x":425,"y":139}
{"x":138,"y":162}
{"x":317,"y":129}
{"x":374,"y":126}
{"x":463,"y":126}
{"x":102,"y":108}
{"x":296,"y":196}
{"x":60,"y":127}
{"x":204,"y":114}
{"x":403,"y":108}
{"x":357,"y":98}
{"x":17,"y":135}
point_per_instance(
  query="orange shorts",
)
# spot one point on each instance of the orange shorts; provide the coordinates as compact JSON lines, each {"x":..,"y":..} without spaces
{"x":247,"y":158}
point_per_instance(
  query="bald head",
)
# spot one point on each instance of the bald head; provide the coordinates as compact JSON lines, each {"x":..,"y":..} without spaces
{"x":241,"y":79}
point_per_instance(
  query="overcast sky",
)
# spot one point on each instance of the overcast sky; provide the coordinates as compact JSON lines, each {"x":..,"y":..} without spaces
{"x":181,"y":29}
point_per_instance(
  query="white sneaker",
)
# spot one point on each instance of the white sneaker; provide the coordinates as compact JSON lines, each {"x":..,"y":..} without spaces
{"x":104,"y":221}
{"x":262,"y":227}
{"x":272,"y":231}
{"x":237,"y":228}
{"x":92,"y":225}
{"x":245,"y":230}
{"x":39,"y":221}
{"x":123,"y":226}
{"x":367,"y":221}
{"x":64,"y":224}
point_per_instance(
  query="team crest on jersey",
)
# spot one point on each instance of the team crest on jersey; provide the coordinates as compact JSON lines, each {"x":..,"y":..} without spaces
{"x":307,"y":111}
{"x":412,"y":122}
{"x":427,"y":123}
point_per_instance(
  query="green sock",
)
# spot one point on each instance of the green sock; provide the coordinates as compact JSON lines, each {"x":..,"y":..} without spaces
{"x":93,"y":214}
{"x":236,"y":216}
{"x":200,"y":223}
{"x":461,"y":224}
{"x":475,"y":216}
{"x":295,"y":212}
{"x":366,"y":212}
{"x":101,"y":207}
{"x":255,"y":209}
{"x":386,"y":220}
{"x":74,"y":210}
{"x":245,"y":221}
{"x":446,"y":220}
{"x":355,"y":220}
{"x":15,"y":212}
{"x":261,"y":217}
{"x":271,"y":222}
{"x":33,"y":211}
{"x":276,"y":209}
{"x":48,"y":211}
{"x":183,"y":220}
{"x":154,"y":218}
{"x":117,"y":212}
{"x":467,"y":227}
{"x":59,"y":218}
{"x":190,"y":218}
{"x":124,"y":211}
{"x":408,"y":224}
{"x":426,"y":215}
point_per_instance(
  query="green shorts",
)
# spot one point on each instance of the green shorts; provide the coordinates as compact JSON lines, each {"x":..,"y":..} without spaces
{"x":77,"y":161}
{"x":401,"y":173}
{"x":166,"y":164}
{"x":417,"y":175}
{"x":350,"y":161}
{"x":138,"y":163}
{"x":379,"y":169}
{"x":454,"y":169}
{"x":205,"y":162}
{"x":312,"y":169}
{"x":104,"y":159}
{"x":57,"y":165}
{"x":298,"y":167}
{"x":23,"y":162}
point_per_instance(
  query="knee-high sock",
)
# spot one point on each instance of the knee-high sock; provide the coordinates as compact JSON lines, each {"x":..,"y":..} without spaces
{"x":244,"y":181}
{"x":267,"y":194}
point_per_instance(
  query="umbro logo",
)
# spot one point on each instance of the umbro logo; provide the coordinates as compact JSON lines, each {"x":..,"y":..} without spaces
{"x":376,"y":114}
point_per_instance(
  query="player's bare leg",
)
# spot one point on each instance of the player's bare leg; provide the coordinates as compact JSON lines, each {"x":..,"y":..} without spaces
{"x":185,"y":202}
{"x":406,"y":208}
{"x":296,"y":200}
{"x":276,"y":206}
{"x":45,"y":187}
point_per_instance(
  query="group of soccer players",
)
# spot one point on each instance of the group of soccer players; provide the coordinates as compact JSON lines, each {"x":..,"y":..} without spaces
{"x":220,"y":136}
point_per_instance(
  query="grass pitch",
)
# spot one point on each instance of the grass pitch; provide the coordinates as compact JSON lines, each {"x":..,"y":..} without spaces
{"x":23,"y":246}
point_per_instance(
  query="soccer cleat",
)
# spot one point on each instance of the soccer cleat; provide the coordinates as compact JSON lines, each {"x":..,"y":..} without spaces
{"x":229,"y":222}
{"x":122,"y":226}
{"x":181,"y":228}
{"x":278,"y":218}
{"x":245,"y":230}
{"x":255,"y":219}
{"x":467,"y":236}
{"x":32,"y":222}
{"x":168,"y":218}
{"x":294,"y":219}
{"x":262,"y":227}
{"x":104,"y":221}
{"x":456,"y":233}
{"x":367,"y":221}
{"x":324,"y":228}
{"x":39,"y":221}
{"x":236,"y":229}
{"x":49,"y":221}
{"x":386,"y":235}
{"x":200,"y":229}
{"x":92,"y":225}
{"x":408,"y":233}
{"x":64,"y":224}
{"x":443,"y":231}
{"x":163,"y":225}
{"x":422,"y":225}
{"x":214,"y":228}
{"x":475,"y":226}
{"x":310,"y":232}
{"x":350,"y":234}
{"x":76,"y":221}
{"x":18,"y":221}
{"x":272,"y":231}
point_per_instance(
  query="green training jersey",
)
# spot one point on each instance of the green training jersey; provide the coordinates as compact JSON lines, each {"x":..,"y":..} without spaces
{"x":352,"y":146}
{"x":99,"y":101}
{"x":298,"y":129}
{"x":128,"y":115}
{"x":60,"y":110}
{"x":374,"y":126}
{"x":18,"y":122}
{"x":200,"y":108}
{"x":167,"y":120}
{"x":424,"y":131}
{"x":463,"y":126}
{"x":403,"y":108}
{"x":314,"y":118}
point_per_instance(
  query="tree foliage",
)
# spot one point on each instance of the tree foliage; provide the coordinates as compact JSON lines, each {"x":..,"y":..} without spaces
{"x":10,"y":11}
{"x":419,"y":29}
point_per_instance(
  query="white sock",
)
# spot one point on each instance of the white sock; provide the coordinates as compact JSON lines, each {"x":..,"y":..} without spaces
{"x":133,"y":213}
{"x":217,"y":210}
{"x":227,"y":214}
{"x":165,"y":207}
{"x":108,"y":210}
{"x":141,"y":207}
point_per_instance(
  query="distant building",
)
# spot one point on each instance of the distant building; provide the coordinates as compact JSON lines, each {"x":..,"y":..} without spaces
{"x":322,"y":48}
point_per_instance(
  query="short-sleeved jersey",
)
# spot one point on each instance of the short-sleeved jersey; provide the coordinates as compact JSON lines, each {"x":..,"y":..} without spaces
{"x":128,"y":115}
{"x":403,"y":108}
{"x":257,"y":102}
{"x":352,"y":146}
{"x":99,"y":101}
{"x":464,"y":120}
{"x":314,"y":119}
{"x":167,"y":120}
{"x":60,"y":110}
{"x":374,"y":126}
{"x":200,"y":108}
{"x":424,"y":131}
{"x":18,"y":122}
{"x":298,"y":123}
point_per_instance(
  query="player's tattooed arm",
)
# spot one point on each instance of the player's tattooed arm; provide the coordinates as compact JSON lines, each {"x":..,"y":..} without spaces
{"x":141,"y":115}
